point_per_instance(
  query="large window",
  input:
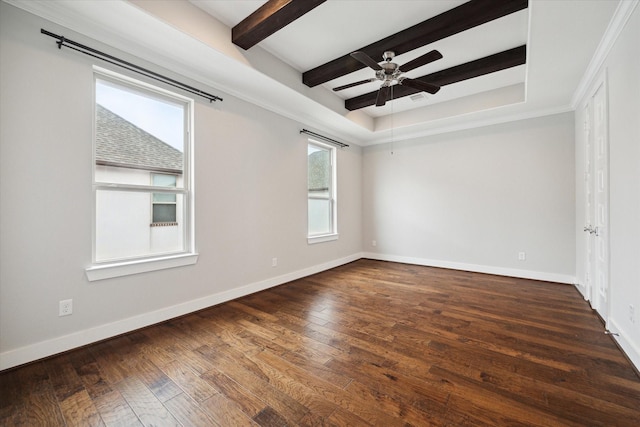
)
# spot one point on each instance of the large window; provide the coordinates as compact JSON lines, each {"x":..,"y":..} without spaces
{"x":321,"y":190}
{"x":142,"y":175}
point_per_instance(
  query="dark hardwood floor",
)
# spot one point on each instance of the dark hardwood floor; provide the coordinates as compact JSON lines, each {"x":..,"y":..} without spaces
{"x":368,"y":343}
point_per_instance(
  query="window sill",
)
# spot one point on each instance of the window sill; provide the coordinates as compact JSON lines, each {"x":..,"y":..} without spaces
{"x":127,"y":268}
{"x":323,"y":238}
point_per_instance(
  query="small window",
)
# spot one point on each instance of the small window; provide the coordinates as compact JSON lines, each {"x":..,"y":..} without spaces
{"x":142,"y":152}
{"x":321,"y":191}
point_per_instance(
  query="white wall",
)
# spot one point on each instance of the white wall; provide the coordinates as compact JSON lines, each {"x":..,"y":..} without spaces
{"x":622,"y":68}
{"x":251,"y":197}
{"x":474,"y":199}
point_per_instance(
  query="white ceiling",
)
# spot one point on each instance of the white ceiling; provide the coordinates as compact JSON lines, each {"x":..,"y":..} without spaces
{"x":329,"y":29}
{"x":193,"y":38}
{"x":328,"y":32}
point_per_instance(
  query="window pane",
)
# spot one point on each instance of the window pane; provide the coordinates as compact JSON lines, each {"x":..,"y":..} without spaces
{"x":319,"y":184}
{"x":319,"y":216}
{"x":123,"y":226}
{"x":164,"y":198}
{"x":137,"y":133}
{"x":319,"y":169}
{"x":164,"y":213}
{"x":161,"y":180}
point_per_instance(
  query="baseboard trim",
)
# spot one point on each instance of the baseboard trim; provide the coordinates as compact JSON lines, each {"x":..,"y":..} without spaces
{"x":43,"y":349}
{"x":626,"y":344}
{"x":581,"y":290}
{"x":499,"y":271}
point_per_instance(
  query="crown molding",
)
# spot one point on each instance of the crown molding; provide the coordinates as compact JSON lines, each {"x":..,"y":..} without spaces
{"x":620,"y":18}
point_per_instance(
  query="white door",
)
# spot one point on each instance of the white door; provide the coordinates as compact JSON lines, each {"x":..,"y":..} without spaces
{"x":600,"y":189}
{"x":590,"y":262}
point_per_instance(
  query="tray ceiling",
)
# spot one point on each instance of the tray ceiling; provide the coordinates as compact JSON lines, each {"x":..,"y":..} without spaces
{"x":193,"y":38}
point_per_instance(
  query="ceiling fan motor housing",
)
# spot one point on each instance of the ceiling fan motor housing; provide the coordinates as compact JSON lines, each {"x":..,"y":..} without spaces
{"x":389,"y":73}
{"x":390,"y":70}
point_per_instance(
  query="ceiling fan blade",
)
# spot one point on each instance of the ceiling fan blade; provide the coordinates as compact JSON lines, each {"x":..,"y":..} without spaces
{"x":434,"y":55}
{"x":366,"y":60}
{"x":347,"y":86}
{"x":383,"y":95}
{"x":420,"y":85}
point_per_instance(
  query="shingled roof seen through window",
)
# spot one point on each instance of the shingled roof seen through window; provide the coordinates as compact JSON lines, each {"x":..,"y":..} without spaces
{"x":121,"y":143}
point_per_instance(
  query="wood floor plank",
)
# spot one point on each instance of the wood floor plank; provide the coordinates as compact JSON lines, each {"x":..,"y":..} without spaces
{"x":188,"y":413}
{"x":194,"y":386}
{"x":147,"y":407}
{"x":362,"y":406}
{"x":367,"y":343}
{"x":64,"y":378}
{"x":114,"y":358}
{"x":42,"y":409}
{"x":344,"y":418}
{"x":115,"y":411}
{"x":279,"y":375}
{"x":226,"y":412}
{"x":244,"y":371}
{"x":79,"y":409}
{"x":317,"y":369}
{"x":294,"y":342}
{"x":155,"y":380}
{"x":88,"y":369}
{"x":493,"y":409}
{"x":268,"y":417}
{"x":248,"y":403}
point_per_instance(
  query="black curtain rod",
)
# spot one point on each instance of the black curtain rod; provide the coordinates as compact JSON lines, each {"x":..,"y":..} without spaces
{"x":332,"y":141}
{"x":62,"y":41}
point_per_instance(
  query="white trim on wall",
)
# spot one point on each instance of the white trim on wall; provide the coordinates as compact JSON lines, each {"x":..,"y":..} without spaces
{"x":471,"y":123}
{"x":616,"y":25}
{"x":625,"y":342}
{"x":476,"y":268}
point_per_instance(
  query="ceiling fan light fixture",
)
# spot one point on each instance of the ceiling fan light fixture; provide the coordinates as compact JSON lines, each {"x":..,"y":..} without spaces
{"x":390,"y":73}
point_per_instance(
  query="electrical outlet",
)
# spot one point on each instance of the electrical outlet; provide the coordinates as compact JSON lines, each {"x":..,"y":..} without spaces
{"x":374,"y":243}
{"x":274,"y":262}
{"x":632,"y":313}
{"x":522,"y":256}
{"x":65,"y":307}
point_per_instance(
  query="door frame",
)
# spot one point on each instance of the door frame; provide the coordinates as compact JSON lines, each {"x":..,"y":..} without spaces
{"x":597,"y":242}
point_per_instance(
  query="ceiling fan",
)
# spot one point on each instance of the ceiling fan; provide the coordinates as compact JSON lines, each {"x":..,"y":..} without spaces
{"x":390,"y":72}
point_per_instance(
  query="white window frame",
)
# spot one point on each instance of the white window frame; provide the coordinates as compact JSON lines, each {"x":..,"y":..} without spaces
{"x":333,"y":195}
{"x":189,"y":256}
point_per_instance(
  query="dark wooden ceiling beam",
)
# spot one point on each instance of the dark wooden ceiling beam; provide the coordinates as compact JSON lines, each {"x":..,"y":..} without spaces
{"x":488,"y":64}
{"x":269,"y":18}
{"x":456,"y":20}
